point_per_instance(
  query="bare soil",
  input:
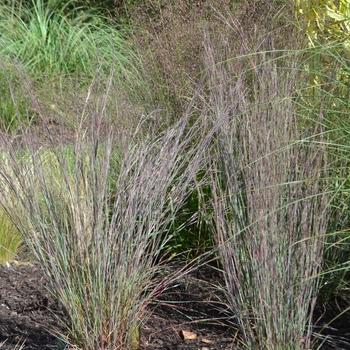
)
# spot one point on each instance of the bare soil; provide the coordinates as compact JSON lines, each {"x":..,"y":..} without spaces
{"x":28,"y":313}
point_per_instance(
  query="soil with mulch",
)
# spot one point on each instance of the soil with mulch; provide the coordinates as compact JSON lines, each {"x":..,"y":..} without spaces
{"x":190,"y":315}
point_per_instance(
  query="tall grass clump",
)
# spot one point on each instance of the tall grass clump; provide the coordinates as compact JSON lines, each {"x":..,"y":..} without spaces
{"x":95,"y":221}
{"x":55,"y":38}
{"x":269,"y":202}
{"x":61,"y":46}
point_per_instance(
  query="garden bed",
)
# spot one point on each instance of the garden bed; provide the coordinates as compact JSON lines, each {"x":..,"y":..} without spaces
{"x":29,"y":314}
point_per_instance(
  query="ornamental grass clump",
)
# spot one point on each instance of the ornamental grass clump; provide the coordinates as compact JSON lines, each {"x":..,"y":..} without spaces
{"x":55,"y":38}
{"x":61,"y":46}
{"x":269,"y":201}
{"x":95,"y":221}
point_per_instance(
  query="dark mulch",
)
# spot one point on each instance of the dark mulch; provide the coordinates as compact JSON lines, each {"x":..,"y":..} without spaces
{"x":27,"y":310}
{"x":28,"y":313}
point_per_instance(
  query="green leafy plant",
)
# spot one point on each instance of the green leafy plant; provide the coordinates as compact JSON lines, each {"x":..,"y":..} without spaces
{"x":325,"y":20}
{"x":11,"y":241}
{"x":327,"y":28}
{"x":336,"y":277}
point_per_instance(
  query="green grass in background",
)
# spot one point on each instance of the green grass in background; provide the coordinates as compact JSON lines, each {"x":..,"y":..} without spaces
{"x":62,"y":48}
{"x":10,"y":239}
{"x":44,"y":38}
{"x":14,"y":100}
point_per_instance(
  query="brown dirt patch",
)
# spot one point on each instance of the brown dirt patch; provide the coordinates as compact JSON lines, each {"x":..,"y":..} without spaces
{"x":29,"y":313}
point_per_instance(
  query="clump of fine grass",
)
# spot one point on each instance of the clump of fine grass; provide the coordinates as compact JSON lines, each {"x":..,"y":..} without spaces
{"x":98,"y":231}
{"x":48,"y":37}
{"x":170,"y":35}
{"x":269,"y":206}
{"x":61,"y":46}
